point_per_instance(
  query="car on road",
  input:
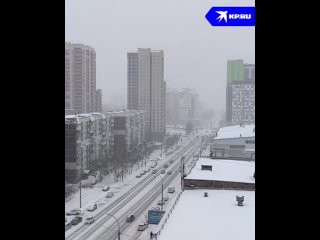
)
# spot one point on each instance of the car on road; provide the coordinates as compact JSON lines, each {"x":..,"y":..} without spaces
{"x":76,"y":220}
{"x":166,"y":166}
{"x":68,"y":225}
{"x":142,"y":226}
{"x":169,"y":172}
{"x":130,"y":218}
{"x":92,"y":207}
{"x":160,"y":202}
{"x":75,"y":211}
{"x":171,"y":190}
{"x":154,"y":171}
{"x":163,"y":171}
{"x":89,"y":220}
{"x":166,"y":198}
{"x":171,"y":161}
{"x":157,"y":208}
{"x":105,"y":188}
{"x":138,"y":176}
{"x":110,"y":195}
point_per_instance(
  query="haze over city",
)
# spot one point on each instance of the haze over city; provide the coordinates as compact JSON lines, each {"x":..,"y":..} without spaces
{"x":159,"y":120}
{"x":195,"y":53}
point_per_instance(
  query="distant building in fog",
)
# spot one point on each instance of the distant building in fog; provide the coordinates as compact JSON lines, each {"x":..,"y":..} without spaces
{"x":147,"y":89}
{"x":182,"y":106}
{"x":98,"y":100}
{"x":80,"y":78}
{"x":240,"y":96}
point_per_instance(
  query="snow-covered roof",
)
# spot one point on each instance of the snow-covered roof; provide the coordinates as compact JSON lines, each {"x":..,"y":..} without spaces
{"x":224,"y":170}
{"x":236,"y":131}
{"x":214,"y":217}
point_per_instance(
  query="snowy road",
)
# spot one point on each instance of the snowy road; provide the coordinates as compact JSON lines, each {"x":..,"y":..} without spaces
{"x":134,"y":200}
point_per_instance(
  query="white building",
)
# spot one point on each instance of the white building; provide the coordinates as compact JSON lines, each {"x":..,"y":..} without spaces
{"x":216,"y":215}
{"x":235,"y":141}
{"x":182,"y":106}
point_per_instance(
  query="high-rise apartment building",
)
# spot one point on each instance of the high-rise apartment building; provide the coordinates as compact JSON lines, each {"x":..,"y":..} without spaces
{"x":147,"y":89}
{"x":80,"y":78}
{"x":235,"y":70}
{"x":240,"y":97}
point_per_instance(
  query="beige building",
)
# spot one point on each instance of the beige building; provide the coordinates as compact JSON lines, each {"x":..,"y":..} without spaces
{"x":147,"y":89}
{"x":80,"y":78}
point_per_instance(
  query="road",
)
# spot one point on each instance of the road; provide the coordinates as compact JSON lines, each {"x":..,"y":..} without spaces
{"x":135,"y":201}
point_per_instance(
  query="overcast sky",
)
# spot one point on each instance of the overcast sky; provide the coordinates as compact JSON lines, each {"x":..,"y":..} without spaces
{"x":195,"y":53}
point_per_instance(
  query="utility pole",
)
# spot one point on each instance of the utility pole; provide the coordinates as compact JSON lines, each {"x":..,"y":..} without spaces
{"x":182,"y":171}
{"x":81,"y":179}
{"x":161,"y":192}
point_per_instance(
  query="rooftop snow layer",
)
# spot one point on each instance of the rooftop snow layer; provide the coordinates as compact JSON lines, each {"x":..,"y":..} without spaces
{"x":214,"y":217}
{"x":224,"y":170}
{"x":236,"y":131}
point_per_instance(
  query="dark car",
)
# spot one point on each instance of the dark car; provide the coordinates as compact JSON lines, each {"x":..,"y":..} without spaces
{"x":76,"y":220}
{"x":130,"y":218}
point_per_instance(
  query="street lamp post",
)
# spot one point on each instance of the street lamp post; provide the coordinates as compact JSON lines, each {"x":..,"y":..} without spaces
{"x":161,"y":193}
{"x":182,"y":172}
{"x":118,"y":224}
{"x":81,"y":179}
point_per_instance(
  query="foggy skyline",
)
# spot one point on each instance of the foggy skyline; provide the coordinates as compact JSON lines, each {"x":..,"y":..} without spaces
{"x":195,"y":53}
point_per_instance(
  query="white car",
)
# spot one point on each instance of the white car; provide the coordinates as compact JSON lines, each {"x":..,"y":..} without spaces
{"x":110,"y":194}
{"x":75,"y":211}
{"x":89,"y":220}
{"x":155,"y":208}
{"x":92,"y":207}
{"x":142,"y":226}
{"x":166,"y":198}
{"x":106,"y":188}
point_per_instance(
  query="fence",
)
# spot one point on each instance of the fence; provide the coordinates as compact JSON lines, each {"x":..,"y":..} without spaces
{"x":168,"y":215}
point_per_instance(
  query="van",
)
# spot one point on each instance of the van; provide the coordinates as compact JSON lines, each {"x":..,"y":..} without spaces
{"x":171,"y":189}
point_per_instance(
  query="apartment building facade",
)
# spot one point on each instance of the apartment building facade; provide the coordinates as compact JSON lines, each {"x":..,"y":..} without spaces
{"x":240,"y":93}
{"x":147,"y":89}
{"x":80,"y":78}
{"x":95,"y":137}
{"x":85,"y":142}
{"x":182,"y":106}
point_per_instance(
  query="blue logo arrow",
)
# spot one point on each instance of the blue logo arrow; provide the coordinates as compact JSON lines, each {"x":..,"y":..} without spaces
{"x":231,"y":16}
